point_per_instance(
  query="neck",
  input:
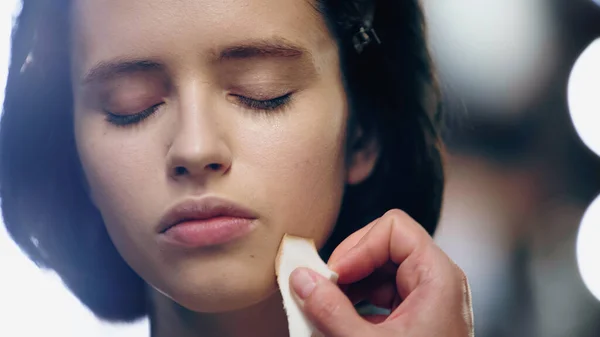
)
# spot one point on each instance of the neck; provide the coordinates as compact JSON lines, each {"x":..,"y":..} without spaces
{"x":168,"y":319}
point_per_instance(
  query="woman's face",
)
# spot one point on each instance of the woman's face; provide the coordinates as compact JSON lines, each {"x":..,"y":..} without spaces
{"x":187,"y":101}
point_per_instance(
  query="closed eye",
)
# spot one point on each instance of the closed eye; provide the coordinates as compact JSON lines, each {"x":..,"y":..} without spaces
{"x":129,"y":119}
{"x":269,"y":105}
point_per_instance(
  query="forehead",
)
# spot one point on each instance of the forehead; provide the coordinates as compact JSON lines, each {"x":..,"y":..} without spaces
{"x":173,"y":29}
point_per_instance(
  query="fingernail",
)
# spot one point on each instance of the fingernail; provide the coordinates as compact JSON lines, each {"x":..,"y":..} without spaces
{"x":303,"y":282}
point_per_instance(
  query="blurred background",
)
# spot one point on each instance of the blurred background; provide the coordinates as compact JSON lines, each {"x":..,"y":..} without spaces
{"x":521,"y":80}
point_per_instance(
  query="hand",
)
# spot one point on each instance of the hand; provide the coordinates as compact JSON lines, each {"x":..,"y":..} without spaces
{"x":393,"y":263}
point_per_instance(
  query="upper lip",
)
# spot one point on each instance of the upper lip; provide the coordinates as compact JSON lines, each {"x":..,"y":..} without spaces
{"x":202,"y":209}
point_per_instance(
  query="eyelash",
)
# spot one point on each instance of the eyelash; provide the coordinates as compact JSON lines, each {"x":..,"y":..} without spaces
{"x":270,"y":105}
{"x":125,"y":120}
{"x":265,"y":106}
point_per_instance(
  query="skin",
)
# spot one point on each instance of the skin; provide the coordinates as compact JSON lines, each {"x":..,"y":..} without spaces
{"x":198,"y":62}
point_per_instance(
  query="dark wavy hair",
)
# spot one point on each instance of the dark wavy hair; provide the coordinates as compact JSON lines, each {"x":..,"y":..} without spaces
{"x":392,"y":93}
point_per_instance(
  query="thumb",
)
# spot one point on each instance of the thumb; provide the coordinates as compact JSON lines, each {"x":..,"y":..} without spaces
{"x":326,"y":306}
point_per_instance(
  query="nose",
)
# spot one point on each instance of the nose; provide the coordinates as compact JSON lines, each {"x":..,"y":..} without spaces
{"x":198,"y":148}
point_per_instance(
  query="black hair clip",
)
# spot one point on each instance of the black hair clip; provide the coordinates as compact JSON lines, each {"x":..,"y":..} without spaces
{"x":363,"y":38}
{"x":366,"y":33}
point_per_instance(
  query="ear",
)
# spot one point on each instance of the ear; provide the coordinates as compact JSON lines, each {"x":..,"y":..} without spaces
{"x":363,"y":156}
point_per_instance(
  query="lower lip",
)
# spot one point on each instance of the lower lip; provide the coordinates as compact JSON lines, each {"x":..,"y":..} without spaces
{"x":209,"y":232}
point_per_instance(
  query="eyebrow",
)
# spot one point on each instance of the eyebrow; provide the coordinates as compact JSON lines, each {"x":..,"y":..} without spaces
{"x":267,"y":48}
{"x":277,"y":48}
{"x":104,"y":71}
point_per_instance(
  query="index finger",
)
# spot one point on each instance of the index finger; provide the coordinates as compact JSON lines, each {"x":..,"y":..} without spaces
{"x":394,"y":237}
{"x":348,"y":243}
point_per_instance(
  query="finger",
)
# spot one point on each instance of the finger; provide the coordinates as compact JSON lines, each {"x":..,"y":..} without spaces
{"x":326,"y":306}
{"x":349,"y":242}
{"x":393,"y":238}
{"x":443,"y":301}
{"x":424,"y":265}
{"x":432,"y":286}
{"x":375,"y":319}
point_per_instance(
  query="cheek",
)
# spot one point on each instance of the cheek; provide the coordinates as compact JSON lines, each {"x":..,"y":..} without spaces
{"x":300,"y":162}
{"x":118,"y":170}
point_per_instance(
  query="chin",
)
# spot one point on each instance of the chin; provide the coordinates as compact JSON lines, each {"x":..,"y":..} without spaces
{"x":212,"y":294}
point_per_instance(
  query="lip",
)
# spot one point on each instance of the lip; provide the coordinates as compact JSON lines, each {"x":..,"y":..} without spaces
{"x":207,"y":221}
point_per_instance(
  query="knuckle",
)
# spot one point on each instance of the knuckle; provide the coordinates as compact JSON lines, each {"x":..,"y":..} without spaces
{"x":422,"y":267}
{"x":446,"y":270}
{"x":397,"y":214}
{"x":399,"y":218}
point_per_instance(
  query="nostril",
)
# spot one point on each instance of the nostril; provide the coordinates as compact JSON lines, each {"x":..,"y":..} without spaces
{"x":180,"y":170}
{"x":214,"y":167}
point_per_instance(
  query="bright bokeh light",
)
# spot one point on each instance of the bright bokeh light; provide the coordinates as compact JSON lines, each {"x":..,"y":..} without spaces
{"x":494,"y":53}
{"x":35,"y":302}
{"x":588,"y":248}
{"x":584,"y":96}
{"x":584,"y":105}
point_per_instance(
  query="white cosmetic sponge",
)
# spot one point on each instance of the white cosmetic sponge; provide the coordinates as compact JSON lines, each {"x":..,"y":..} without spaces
{"x":297,"y":252}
